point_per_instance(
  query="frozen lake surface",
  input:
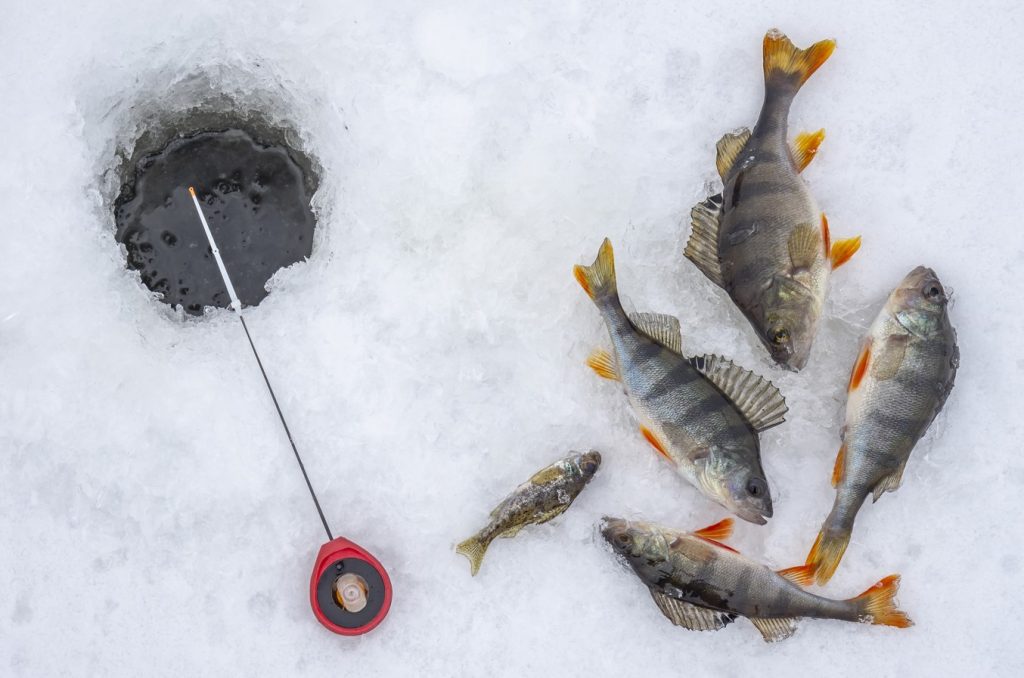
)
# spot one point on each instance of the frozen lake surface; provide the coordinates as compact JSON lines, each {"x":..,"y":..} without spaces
{"x":429,"y":354}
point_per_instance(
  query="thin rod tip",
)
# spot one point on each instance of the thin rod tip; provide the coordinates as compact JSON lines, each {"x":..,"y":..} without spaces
{"x":192,"y":191}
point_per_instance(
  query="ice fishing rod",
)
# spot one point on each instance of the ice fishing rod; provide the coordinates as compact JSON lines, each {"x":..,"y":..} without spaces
{"x":349,"y":590}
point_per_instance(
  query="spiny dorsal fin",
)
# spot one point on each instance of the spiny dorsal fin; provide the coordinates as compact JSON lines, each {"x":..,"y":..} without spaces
{"x":754,"y":396}
{"x":729,"y":148}
{"x":702,"y":247}
{"x":777,"y":628}
{"x":805,"y":147}
{"x":691,"y":616}
{"x":662,"y":328}
{"x":889,"y":483}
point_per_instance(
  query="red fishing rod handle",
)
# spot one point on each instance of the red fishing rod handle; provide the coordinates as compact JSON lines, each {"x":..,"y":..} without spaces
{"x":361,"y":600}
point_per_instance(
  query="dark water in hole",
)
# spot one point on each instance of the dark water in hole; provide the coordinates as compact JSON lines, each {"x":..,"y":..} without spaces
{"x":255,"y":200}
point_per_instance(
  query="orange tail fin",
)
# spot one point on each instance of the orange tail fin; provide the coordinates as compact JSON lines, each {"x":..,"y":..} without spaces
{"x":827,"y":551}
{"x":598,"y":279}
{"x":784,"y":61}
{"x":879,"y":603}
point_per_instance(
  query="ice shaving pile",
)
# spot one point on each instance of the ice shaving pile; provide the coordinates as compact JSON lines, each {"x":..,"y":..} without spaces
{"x":430,"y":353}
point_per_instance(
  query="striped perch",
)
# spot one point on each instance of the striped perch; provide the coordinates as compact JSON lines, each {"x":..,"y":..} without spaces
{"x":702,"y":414}
{"x":900,"y":381}
{"x":763,"y":239}
{"x":701,"y":584}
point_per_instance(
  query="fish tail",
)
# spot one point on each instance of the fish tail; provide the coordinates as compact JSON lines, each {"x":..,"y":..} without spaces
{"x":831,"y":543}
{"x":598,"y":279}
{"x":878,"y":603}
{"x":786,"y":65}
{"x":826,"y":553}
{"x":474,"y":548}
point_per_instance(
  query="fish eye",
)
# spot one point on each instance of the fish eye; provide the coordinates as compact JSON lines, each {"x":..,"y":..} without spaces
{"x":756,"y":487}
{"x":780,"y":336}
{"x":932,"y":291}
{"x":623,"y":539}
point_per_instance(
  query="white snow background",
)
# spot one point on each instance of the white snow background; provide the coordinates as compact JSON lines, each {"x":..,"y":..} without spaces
{"x":429,"y":355}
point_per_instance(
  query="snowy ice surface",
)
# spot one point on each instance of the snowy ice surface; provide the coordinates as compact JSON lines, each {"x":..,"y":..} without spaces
{"x":430,"y":353}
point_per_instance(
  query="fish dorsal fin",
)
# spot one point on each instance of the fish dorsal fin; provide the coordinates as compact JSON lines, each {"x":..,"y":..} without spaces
{"x":755,"y":397}
{"x":776,"y":628}
{"x":801,"y":575}
{"x":804,"y":148}
{"x":662,"y":328}
{"x":691,"y":616}
{"x":889,"y":483}
{"x":702,"y":247}
{"x":729,"y":147}
{"x":720,"y":531}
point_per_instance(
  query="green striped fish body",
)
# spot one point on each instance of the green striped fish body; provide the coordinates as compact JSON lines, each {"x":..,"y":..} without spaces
{"x":764,"y":239}
{"x":701,"y":584}
{"x":899,"y":383}
{"x":702,"y":414}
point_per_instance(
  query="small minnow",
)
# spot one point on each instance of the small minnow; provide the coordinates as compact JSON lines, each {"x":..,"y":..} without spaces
{"x":547,"y":494}
{"x":899,"y":383}
{"x":701,"y":584}
{"x":763,"y":239}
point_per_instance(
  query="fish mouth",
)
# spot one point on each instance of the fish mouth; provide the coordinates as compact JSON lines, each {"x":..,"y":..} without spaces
{"x":609,"y":527}
{"x":758,"y":517}
{"x":609,"y":523}
{"x":589,"y":462}
{"x":788,"y":358}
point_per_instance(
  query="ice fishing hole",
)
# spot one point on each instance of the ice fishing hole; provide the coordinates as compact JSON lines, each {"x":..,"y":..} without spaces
{"x":255,"y":192}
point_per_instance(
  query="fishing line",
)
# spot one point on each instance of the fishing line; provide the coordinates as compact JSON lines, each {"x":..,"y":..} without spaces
{"x":236,"y":305}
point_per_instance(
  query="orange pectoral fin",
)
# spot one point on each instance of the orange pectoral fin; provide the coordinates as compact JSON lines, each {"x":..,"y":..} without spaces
{"x":655,"y":442}
{"x":842,"y":250}
{"x":801,"y":575}
{"x":860,"y":367}
{"x":720,"y":530}
{"x":837,"y":471}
